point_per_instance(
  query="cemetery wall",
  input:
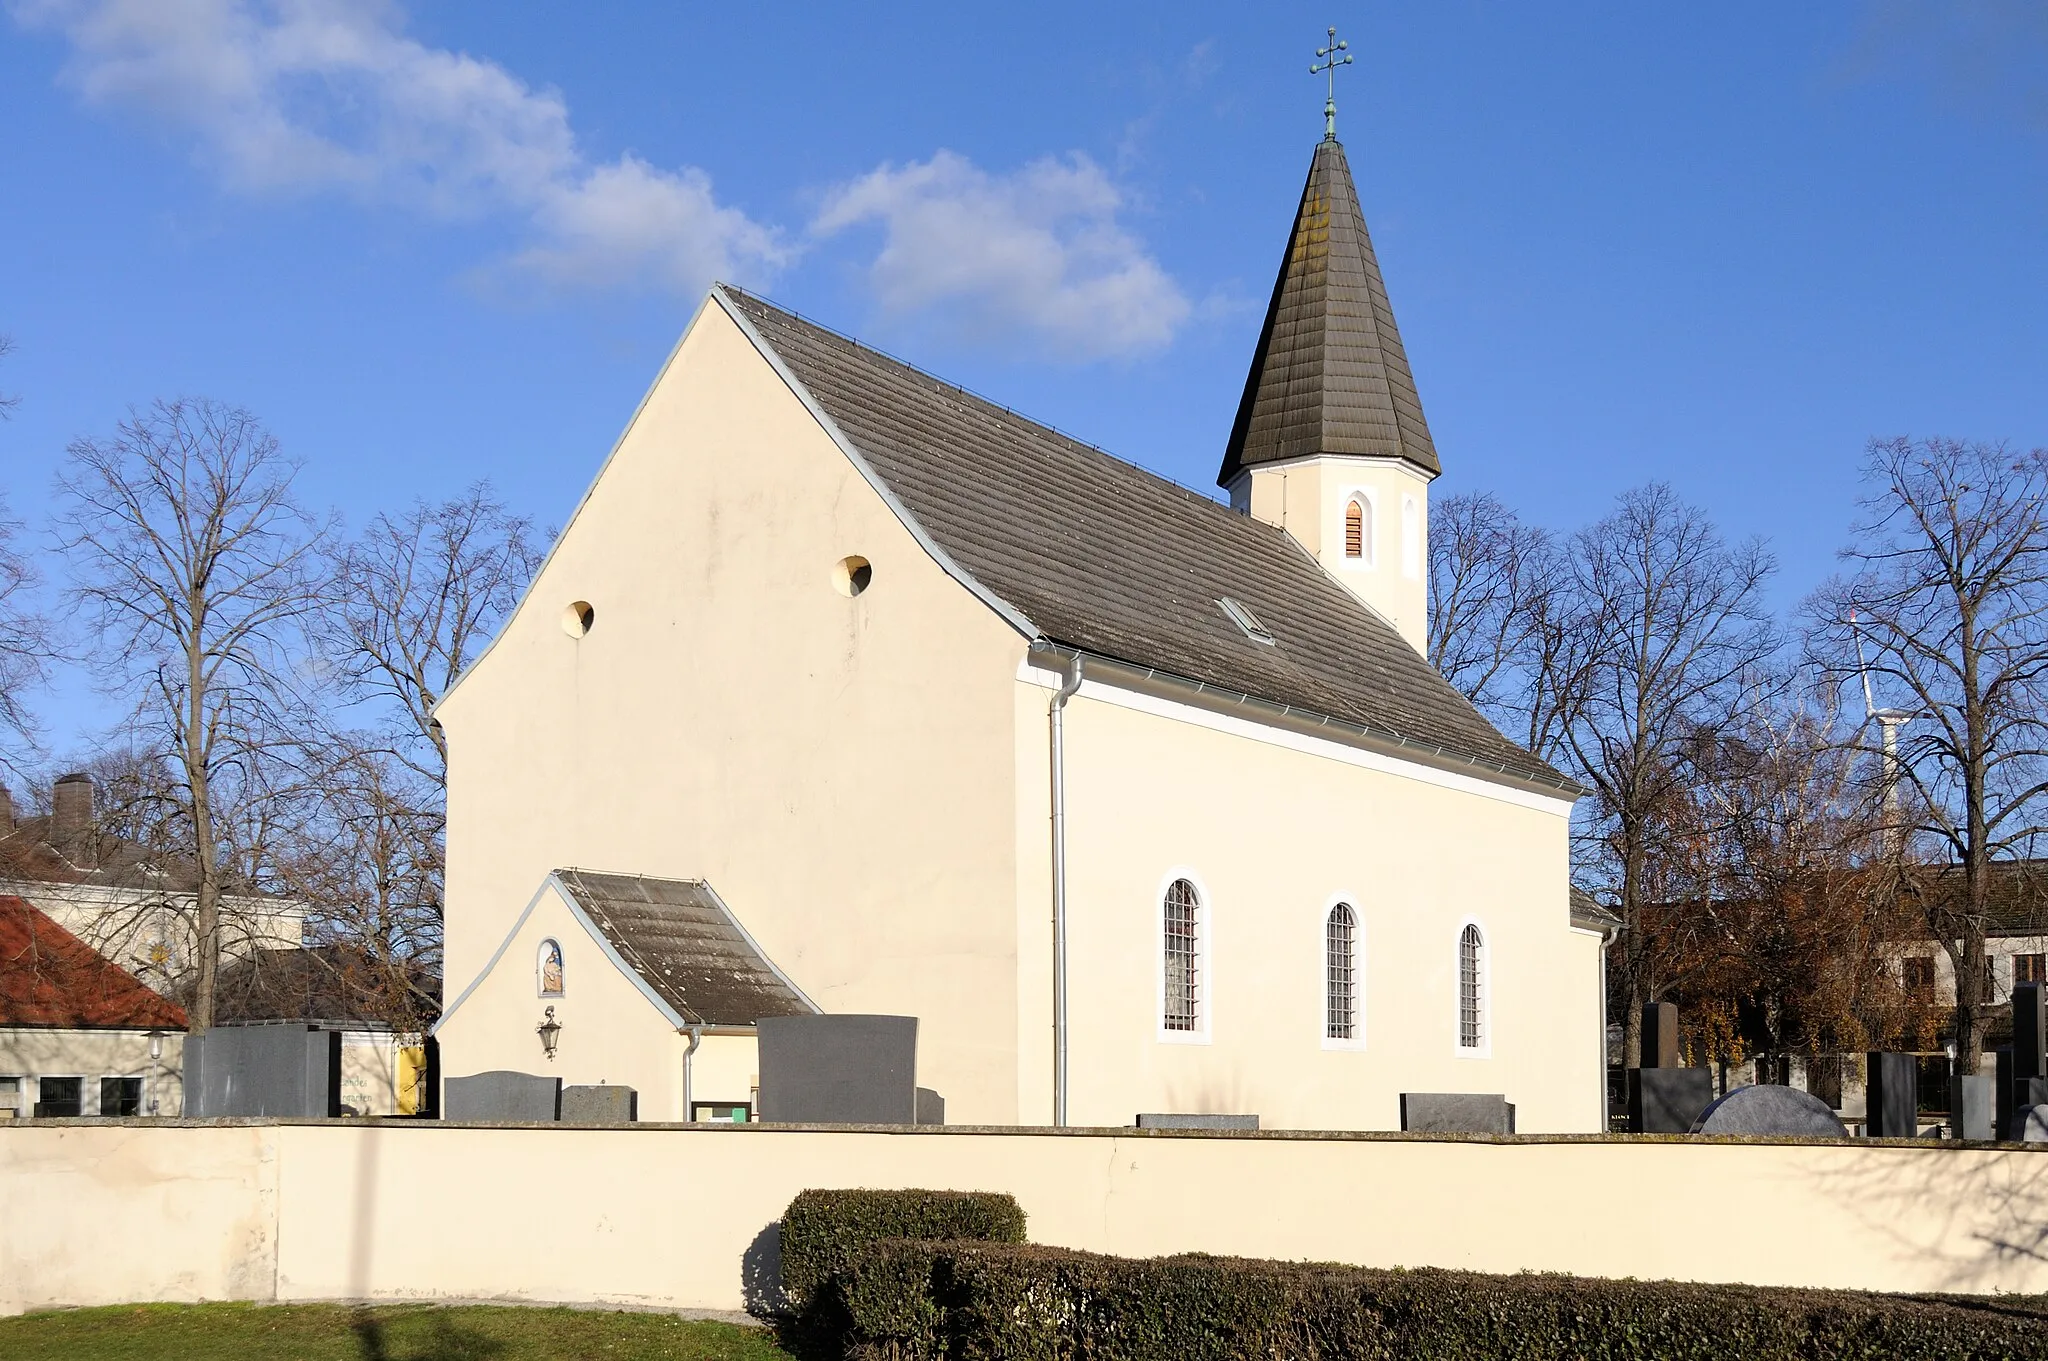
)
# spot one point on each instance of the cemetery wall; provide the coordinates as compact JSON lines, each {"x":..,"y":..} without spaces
{"x":116,"y":1211}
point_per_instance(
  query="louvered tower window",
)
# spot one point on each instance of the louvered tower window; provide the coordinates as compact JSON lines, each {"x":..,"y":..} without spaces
{"x":1471,"y":982}
{"x":1354,"y":530}
{"x":1340,"y":974}
{"x":1183,"y":994}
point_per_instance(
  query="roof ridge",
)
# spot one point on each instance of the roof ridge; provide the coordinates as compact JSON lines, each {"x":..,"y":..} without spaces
{"x":1073,"y":440}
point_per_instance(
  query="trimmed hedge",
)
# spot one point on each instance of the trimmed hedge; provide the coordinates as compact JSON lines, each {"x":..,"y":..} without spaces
{"x":921,"y":1301}
{"x":821,"y":1230}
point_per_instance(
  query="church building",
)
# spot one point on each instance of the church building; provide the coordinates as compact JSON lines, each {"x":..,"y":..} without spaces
{"x":845,"y":690}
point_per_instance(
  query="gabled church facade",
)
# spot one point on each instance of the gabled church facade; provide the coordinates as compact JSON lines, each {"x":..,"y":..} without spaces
{"x":1138,"y":801}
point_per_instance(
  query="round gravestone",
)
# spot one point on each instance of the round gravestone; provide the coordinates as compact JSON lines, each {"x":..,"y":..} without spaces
{"x":1770,"y":1110}
{"x":2030,"y":1125}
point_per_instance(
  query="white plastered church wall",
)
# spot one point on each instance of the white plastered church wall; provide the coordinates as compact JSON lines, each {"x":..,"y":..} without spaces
{"x":838,"y":768}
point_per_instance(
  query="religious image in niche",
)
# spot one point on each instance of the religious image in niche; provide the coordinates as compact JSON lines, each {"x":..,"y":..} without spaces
{"x":550,"y":969}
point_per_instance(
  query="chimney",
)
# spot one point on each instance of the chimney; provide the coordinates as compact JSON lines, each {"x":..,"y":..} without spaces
{"x":71,"y":809}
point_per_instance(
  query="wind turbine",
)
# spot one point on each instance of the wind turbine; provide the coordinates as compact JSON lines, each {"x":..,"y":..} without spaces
{"x":1888,"y":721}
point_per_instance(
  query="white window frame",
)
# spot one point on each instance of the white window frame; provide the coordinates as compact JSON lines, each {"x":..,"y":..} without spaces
{"x":88,"y":1094}
{"x":1411,"y":537}
{"x":1359,"y":956}
{"x":1367,"y":497}
{"x":1205,"y":960}
{"x":1484,"y":1049}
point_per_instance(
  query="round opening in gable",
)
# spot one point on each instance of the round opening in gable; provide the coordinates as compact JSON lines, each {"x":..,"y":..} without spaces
{"x":850,"y":576}
{"x":577,"y":618}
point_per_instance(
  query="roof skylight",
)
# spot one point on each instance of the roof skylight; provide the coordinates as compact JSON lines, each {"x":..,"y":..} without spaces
{"x":1241,"y":615}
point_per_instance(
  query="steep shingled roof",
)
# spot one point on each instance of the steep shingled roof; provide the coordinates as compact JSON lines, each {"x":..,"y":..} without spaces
{"x":1099,"y":555}
{"x":1330,"y":375}
{"x":680,"y":938}
{"x":49,"y":977}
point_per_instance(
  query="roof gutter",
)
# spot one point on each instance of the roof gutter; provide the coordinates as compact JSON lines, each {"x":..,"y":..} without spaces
{"x":1221,"y":700}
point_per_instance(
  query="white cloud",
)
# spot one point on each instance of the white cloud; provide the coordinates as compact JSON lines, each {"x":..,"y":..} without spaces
{"x":1034,"y":255}
{"x":317,"y":95}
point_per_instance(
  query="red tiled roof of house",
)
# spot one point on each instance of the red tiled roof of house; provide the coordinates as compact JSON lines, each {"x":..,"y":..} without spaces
{"x":49,"y":977}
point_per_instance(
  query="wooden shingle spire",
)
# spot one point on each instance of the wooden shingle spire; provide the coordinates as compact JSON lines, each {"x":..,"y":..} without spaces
{"x":1330,"y":375}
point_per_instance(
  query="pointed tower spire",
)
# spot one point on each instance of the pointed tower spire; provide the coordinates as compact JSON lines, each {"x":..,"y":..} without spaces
{"x":1330,"y":375}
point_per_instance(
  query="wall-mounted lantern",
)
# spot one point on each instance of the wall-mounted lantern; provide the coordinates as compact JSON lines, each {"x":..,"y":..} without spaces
{"x":550,"y":1031}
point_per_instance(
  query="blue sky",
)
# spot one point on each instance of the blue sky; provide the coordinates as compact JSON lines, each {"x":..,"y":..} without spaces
{"x":1722,"y":246}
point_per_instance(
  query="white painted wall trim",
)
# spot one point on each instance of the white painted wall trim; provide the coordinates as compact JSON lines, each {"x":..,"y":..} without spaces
{"x":1030,"y":673}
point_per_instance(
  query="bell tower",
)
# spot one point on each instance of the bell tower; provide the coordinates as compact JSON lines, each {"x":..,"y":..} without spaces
{"x":1330,"y":443}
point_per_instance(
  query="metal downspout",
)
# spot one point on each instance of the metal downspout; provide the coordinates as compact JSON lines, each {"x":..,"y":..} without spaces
{"x":1057,"y":715}
{"x":1606,"y":939}
{"x":696,"y":1034}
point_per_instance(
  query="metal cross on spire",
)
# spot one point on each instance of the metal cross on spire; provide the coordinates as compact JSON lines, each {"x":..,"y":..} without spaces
{"x":1328,"y":62}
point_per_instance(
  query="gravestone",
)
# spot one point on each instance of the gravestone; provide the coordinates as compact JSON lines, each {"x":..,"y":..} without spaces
{"x":2029,"y":1125}
{"x":1198,"y":1122}
{"x":2002,"y":1067}
{"x":1660,"y":1035}
{"x":1456,"y":1113}
{"x":1771,"y":1110}
{"x":503,"y":1097}
{"x":1893,"y":1101}
{"x":276,"y":1070}
{"x":1667,"y":1100}
{"x":2029,"y":1031}
{"x":839,"y":1070}
{"x":600,"y":1105}
{"x":931,"y":1107}
{"x":1975,"y":1114}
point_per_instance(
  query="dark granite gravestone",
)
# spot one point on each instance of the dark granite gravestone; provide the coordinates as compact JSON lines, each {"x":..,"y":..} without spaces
{"x":1892,"y":1088}
{"x":276,"y":1070}
{"x":2029,"y":1031}
{"x":1660,"y":1035}
{"x":2029,"y":1125}
{"x":1771,"y":1110}
{"x":1198,"y":1122}
{"x":503,"y":1097}
{"x":839,"y":1070}
{"x":2002,"y":1090}
{"x":1973,"y":1114}
{"x":600,"y":1105}
{"x":1456,"y":1113}
{"x":1667,"y":1100}
{"x":931,"y":1107}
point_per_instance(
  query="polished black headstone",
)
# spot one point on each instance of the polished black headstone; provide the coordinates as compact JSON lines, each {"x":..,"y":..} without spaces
{"x":1892,"y":1092}
{"x":2029,"y":1030}
{"x":503,"y":1097}
{"x":2002,"y":1066}
{"x":277,"y":1070}
{"x":1667,"y":1100}
{"x":1973,"y":1113}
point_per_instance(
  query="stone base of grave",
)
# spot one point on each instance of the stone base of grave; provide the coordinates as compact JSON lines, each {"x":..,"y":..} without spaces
{"x":1667,"y":1100}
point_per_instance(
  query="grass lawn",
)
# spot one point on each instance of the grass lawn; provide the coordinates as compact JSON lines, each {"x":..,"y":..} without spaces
{"x":325,"y":1332}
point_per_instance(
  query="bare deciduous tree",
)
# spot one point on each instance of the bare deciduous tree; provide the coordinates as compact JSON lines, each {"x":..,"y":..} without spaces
{"x":1948,"y":598}
{"x":195,"y":565}
{"x":421,"y":593}
{"x":25,"y":648}
{"x":1660,"y":622}
{"x":1492,"y":588}
{"x":8,"y":400}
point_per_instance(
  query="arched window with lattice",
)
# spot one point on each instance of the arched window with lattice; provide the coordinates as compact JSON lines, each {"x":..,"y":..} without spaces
{"x":1340,"y":974}
{"x":1181,"y":933}
{"x":1357,"y":530}
{"x":1471,"y":988}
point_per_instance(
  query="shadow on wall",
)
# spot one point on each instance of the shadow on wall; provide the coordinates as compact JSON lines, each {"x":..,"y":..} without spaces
{"x":1904,"y":1199}
{"x":761,"y":1274}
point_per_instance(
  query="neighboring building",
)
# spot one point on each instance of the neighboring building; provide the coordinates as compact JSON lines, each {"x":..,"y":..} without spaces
{"x":130,"y":903}
{"x":381,"y":1009}
{"x":813,"y":637}
{"x":2015,"y":945}
{"x":79,"y":1035}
